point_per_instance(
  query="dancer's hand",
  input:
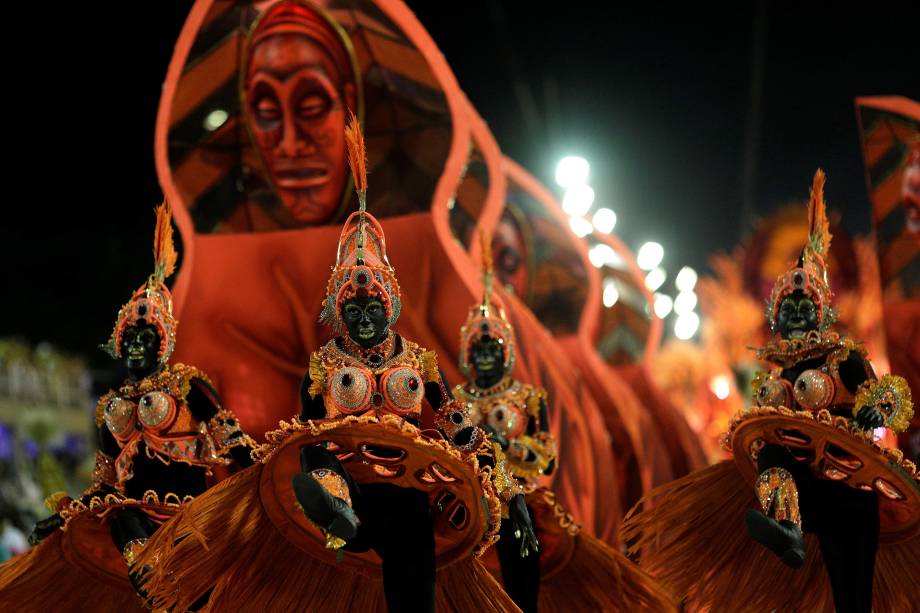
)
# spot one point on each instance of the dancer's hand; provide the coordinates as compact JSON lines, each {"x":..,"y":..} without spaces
{"x":870,"y":418}
{"x":523,"y":526}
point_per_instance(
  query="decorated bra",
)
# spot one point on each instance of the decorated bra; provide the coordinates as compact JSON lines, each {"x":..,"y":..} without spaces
{"x":154,"y":412}
{"x":355,"y":381}
{"x":508,"y":408}
{"x":815,"y":388}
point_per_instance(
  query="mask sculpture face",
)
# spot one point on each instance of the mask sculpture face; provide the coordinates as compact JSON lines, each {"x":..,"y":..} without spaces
{"x":508,"y":254}
{"x":910,"y":191}
{"x":297,"y":89}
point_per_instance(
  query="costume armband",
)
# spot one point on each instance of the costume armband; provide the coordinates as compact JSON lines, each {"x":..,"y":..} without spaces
{"x":890,"y":395}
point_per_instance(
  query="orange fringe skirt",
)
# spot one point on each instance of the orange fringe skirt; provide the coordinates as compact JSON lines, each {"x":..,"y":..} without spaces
{"x":579,"y":572}
{"x":225,"y":540}
{"x":69,"y":571}
{"x":690,"y":534}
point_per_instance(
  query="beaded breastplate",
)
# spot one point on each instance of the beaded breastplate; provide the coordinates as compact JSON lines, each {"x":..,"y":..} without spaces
{"x":508,"y":408}
{"x":154,"y":411}
{"x":356,"y":384}
{"x":814,"y":389}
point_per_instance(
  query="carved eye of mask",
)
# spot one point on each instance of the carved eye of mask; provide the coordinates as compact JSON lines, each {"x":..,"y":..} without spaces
{"x":268,"y":109}
{"x":313,"y":105}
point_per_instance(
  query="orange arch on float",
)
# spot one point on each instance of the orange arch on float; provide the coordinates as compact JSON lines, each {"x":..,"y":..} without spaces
{"x":447,"y":183}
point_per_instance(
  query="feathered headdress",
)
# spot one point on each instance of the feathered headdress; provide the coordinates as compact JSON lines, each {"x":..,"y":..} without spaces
{"x":485,"y":319}
{"x":152,"y":302}
{"x":361,"y":265}
{"x":810,"y":273}
{"x":164,"y":251}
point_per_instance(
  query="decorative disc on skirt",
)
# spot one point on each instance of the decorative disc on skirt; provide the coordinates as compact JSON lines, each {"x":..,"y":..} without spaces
{"x":384,"y":449}
{"x":838,"y":451}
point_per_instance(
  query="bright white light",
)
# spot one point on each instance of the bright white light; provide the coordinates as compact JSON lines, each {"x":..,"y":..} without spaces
{"x":580,"y":226}
{"x":686,"y":325}
{"x":663,"y":305}
{"x":685,"y":303}
{"x":721,"y":386}
{"x":601,"y":254}
{"x":611,"y":294}
{"x":686,"y":279}
{"x":578,"y":200}
{"x":215,"y":119}
{"x":655,"y":279}
{"x":650,"y":255}
{"x":604,"y":220}
{"x":571,"y":171}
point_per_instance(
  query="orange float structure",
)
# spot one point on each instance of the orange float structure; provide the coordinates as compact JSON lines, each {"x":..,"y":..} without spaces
{"x":251,"y":283}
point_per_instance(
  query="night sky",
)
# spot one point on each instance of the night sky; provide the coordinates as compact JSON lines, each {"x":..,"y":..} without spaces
{"x":656,"y":98}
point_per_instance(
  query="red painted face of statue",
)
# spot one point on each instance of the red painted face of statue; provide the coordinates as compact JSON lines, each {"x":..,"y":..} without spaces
{"x":297,"y":105}
{"x":910,"y":191}
{"x":509,"y":255}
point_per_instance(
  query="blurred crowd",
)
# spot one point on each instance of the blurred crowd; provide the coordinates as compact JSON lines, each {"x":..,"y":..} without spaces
{"x":46,"y":440}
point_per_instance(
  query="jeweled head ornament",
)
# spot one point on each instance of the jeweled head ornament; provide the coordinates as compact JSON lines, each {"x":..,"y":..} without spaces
{"x":810,"y":274}
{"x":152,"y":303}
{"x":486,"y":319}
{"x":361,"y":265}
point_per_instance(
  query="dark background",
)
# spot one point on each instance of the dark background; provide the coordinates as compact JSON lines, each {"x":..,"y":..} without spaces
{"x":657,"y":98}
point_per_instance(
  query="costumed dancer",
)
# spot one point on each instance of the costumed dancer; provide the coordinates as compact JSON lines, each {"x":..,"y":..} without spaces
{"x":163,"y":438}
{"x":574,"y":571}
{"x":838,"y":517}
{"x":360,"y":504}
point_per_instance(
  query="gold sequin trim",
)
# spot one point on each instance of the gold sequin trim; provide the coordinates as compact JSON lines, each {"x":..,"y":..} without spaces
{"x":317,"y":375}
{"x":428,"y":361}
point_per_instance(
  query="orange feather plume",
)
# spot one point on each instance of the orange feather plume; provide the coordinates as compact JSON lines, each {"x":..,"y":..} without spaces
{"x":164,"y":252}
{"x":819,"y":233}
{"x":485,"y":243}
{"x":357,"y":154}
